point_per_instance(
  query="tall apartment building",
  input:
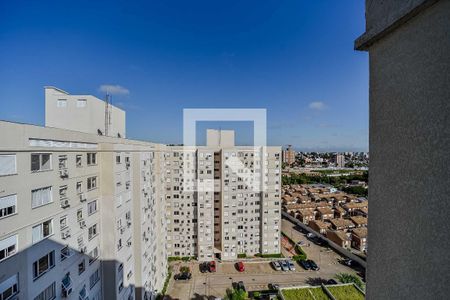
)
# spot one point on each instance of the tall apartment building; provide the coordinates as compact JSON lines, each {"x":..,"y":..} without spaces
{"x":81,"y":215}
{"x":233,"y":207}
{"x":339,"y":160}
{"x":289,"y":155}
{"x":89,"y":215}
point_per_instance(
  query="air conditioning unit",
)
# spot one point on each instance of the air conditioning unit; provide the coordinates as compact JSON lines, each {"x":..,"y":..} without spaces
{"x":128,"y":223}
{"x":65,"y":203}
{"x":122,"y":230}
{"x":82,"y":223}
{"x":65,"y":234}
{"x":66,"y":292}
{"x":63,"y":173}
{"x":129,"y":243}
{"x":82,"y":197}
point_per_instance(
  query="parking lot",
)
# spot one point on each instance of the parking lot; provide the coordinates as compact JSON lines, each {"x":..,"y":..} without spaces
{"x":258,"y":273}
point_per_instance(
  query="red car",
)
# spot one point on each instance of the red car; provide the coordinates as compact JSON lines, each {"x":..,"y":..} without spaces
{"x":240,"y":266}
{"x":212,"y":266}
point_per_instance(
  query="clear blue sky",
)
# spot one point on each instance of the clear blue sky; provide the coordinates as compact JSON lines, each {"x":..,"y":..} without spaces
{"x":294,"y":58}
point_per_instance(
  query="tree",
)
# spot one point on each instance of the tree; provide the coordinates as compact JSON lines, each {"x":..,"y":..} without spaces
{"x":236,"y":294}
{"x":350,"y":278}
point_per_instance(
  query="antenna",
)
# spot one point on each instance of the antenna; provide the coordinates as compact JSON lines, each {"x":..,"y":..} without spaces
{"x":108,"y":107}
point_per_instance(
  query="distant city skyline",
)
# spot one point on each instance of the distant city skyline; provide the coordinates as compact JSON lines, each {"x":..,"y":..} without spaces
{"x":293,"y":58}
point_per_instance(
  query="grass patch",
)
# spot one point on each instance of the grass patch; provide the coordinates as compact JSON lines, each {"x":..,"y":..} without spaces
{"x":345,"y":292}
{"x":298,"y":294}
{"x":319,"y":294}
{"x":182,"y":258}
{"x":270,"y":255}
{"x":166,"y":284}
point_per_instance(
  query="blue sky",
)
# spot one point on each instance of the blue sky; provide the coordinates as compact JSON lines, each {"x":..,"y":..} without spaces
{"x":294,"y":58}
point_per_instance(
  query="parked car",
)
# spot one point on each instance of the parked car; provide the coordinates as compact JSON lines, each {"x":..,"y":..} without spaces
{"x":331,"y":281}
{"x":284,"y":265}
{"x":347,"y":262}
{"x":313,"y":265}
{"x":276,"y":265}
{"x":183,"y":276}
{"x":240,"y":266}
{"x":273,"y":286}
{"x":241,"y":286}
{"x":203,"y":267}
{"x":310,"y":235}
{"x":305,"y":264}
{"x":212,"y":266}
{"x":291,"y":265}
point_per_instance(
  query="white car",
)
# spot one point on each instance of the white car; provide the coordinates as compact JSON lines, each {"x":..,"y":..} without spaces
{"x":276,"y":265}
{"x":291,"y":265}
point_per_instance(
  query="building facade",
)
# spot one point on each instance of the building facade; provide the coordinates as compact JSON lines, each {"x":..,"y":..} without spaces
{"x":84,"y":215}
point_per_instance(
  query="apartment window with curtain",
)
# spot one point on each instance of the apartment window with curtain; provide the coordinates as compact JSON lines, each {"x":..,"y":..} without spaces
{"x":42,"y":231}
{"x":41,"y":162}
{"x":91,"y":159}
{"x":43,"y":264}
{"x":48,"y":294}
{"x":9,"y":287}
{"x":8,"y":247}
{"x":8,"y":206}
{"x":41,"y":196}
{"x":92,"y":183}
{"x":8,"y":164}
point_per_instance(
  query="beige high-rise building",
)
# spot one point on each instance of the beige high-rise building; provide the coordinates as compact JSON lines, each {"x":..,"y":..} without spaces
{"x":223,"y":199}
{"x":84,"y":214}
{"x":289,"y":155}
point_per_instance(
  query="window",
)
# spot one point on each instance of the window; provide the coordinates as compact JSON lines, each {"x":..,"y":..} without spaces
{"x":8,"y":164}
{"x":41,"y":162}
{"x":118,"y":159}
{"x":9,"y":287}
{"x":79,"y":187}
{"x":92,"y":183}
{"x":61,"y":103}
{"x":81,"y":103}
{"x":43,"y":264}
{"x":79,"y":214}
{"x":78,"y":160}
{"x":42,"y":231}
{"x":81,"y":267}
{"x":41,"y":196}
{"x":91,"y":159}
{"x":93,"y":255}
{"x":94,"y":278}
{"x":8,"y":205}
{"x":93,"y":231}
{"x":48,"y":294}
{"x":8,"y":247}
{"x":92,"y":207}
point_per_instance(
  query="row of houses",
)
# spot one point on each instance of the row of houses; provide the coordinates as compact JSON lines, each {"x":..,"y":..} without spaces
{"x":339,"y":216}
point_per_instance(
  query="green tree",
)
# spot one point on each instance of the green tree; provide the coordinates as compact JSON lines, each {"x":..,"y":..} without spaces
{"x":350,"y":278}
{"x":236,"y":294}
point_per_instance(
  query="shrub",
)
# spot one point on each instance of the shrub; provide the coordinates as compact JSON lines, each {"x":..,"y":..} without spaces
{"x":185,"y":269}
{"x":269,"y":255}
{"x":350,"y":278}
{"x":182,"y":258}
{"x":166,"y":284}
{"x":242,"y":255}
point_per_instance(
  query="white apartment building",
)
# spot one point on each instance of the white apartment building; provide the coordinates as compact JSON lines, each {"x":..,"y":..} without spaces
{"x":89,"y":215}
{"x":223,"y":200}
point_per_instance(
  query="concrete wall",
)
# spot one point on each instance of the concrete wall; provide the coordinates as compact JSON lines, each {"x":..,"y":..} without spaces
{"x":409,"y":143}
{"x":88,"y":119}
